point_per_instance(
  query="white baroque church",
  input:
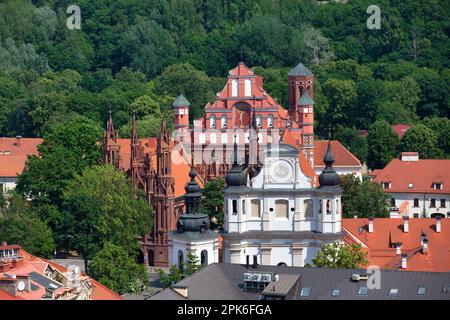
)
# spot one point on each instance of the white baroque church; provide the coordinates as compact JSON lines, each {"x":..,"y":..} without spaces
{"x":276,"y":214}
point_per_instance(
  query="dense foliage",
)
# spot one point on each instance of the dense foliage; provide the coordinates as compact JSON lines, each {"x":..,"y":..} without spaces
{"x":212,"y":201}
{"x":101,"y":207}
{"x":363,"y":198}
{"x":339,"y":256}
{"x":115,"y":268}
{"x":140,"y":55}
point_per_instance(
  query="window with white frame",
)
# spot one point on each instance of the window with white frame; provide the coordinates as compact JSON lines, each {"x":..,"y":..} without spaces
{"x":234,"y":88}
{"x":212,"y":121}
{"x":248,"y":88}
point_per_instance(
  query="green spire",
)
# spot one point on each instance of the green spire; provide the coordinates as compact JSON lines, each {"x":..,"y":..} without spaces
{"x":306,"y":100}
{"x":181,"y":101}
{"x":300,"y":70}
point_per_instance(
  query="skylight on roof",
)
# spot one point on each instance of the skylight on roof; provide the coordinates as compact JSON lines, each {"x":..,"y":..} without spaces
{"x":393,"y":293}
{"x":304,"y":293}
{"x":422,"y":291}
{"x":335,"y":293}
{"x":363,"y":291}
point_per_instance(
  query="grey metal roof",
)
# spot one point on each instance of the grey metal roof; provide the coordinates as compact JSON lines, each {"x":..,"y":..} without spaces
{"x":306,"y":100}
{"x":181,"y":101}
{"x":225,"y":281}
{"x":194,"y":235}
{"x":300,"y":70}
{"x":42,"y":280}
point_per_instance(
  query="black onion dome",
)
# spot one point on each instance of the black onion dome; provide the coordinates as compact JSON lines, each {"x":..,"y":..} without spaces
{"x":329,"y":177}
{"x":193,"y":223}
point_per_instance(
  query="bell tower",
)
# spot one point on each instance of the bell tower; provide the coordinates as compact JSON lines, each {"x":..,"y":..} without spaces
{"x":181,"y":112}
{"x":300,"y":80}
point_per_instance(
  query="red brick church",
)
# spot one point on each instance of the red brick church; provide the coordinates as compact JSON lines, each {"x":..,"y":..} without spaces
{"x":160,"y":166}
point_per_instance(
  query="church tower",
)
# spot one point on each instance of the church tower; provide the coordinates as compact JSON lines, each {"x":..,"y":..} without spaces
{"x":164,"y":199}
{"x":110,"y":144}
{"x":135,"y":154}
{"x":301,"y":106}
{"x":181,"y":112}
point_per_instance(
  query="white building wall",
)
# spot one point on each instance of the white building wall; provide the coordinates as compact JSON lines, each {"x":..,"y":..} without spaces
{"x":401,"y":198}
{"x":8,"y":183}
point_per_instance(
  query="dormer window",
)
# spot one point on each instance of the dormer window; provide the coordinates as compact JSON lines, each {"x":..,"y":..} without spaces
{"x":410,"y":185}
{"x":437,"y":185}
{"x":386,"y":185}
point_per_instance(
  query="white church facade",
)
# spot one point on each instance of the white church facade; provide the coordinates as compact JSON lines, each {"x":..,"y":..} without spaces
{"x":276,"y":214}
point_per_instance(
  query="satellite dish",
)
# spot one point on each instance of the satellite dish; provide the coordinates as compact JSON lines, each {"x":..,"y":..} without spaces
{"x":21,"y":285}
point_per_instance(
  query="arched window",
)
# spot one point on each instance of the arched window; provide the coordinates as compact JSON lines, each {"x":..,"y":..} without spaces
{"x":234,"y":206}
{"x":180,"y":259}
{"x":281,"y":209}
{"x":212,"y":121}
{"x":236,"y":138}
{"x":223,"y":121}
{"x":201,"y":138}
{"x":337,"y":206}
{"x":270,"y":121}
{"x":247,"y":139}
{"x":328,"y":206}
{"x":234,"y":88}
{"x":248,"y":88}
{"x":243,"y":206}
{"x":204,"y":258}
{"x":259,"y":121}
{"x":255,"y":204}
{"x":212,"y":138}
{"x":224,"y":138}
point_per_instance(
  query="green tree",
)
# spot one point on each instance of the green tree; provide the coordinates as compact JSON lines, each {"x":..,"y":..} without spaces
{"x":67,"y":149}
{"x":338,"y":256}
{"x":212,"y":200}
{"x":364,"y":199}
{"x":441,"y":127}
{"x":192,"y":264}
{"x":192,"y":83}
{"x":382,"y":143}
{"x":317,"y":46}
{"x":115,"y":268}
{"x":421,"y":139}
{"x":175,"y":275}
{"x":341,"y":95}
{"x":20,"y":225}
{"x":101,"y":207}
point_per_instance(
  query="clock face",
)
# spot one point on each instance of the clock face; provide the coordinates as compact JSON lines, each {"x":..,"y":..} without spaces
{"x":281,"y":171}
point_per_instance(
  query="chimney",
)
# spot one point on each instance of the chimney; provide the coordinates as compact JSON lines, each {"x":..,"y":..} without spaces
{"x":370,"y":225}
{"x":409,"y":156}
{"x":18,"y":141}
{"x":425,"y":246}
{"x":438,"y":224}
{"x":406,"y":224}
{"x":398,"y":248}
{"x":404,"y":260}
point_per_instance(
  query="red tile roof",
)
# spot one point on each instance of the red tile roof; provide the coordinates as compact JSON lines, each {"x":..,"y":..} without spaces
{"x":39,"y":265}
{"x":421,"y":174}
{"x":387,"y":231}
{"x":342,"y":156}
{"x":14,"y":153}
{"x":400,"y":129}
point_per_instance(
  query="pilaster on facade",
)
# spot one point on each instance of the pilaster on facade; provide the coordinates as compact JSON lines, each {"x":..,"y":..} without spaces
{"x":297,"y":254}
